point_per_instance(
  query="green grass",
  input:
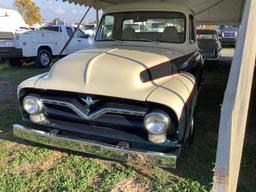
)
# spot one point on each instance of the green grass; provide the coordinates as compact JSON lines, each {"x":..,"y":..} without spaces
{"x":29,"y":167}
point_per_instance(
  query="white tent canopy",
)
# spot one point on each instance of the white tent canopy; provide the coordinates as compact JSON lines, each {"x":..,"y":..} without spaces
{"x":208,"y":11}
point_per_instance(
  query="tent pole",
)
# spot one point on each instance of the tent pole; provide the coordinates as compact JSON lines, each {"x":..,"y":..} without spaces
{"x":97,"y":17}
{"x":235,"y":106}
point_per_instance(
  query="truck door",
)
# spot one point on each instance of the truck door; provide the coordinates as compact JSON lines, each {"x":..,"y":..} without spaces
{"x":72,"y":45}
{"x":81,"y":40}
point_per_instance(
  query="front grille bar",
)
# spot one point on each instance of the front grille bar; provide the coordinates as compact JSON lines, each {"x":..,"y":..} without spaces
{"x":87,"y":115}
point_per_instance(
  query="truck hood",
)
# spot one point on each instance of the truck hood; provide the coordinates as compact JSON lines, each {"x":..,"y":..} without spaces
{"x":107,"y":71}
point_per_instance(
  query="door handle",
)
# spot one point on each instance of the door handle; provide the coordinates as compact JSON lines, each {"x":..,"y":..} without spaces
{"x":78,"y":40}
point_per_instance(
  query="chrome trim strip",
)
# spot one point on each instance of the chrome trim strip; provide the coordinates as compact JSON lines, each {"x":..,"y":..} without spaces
{"x":94,"y":115}
{"x":164,"y":160}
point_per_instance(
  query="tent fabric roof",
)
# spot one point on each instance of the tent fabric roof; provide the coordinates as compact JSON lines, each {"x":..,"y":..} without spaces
{"x":208,"y":11}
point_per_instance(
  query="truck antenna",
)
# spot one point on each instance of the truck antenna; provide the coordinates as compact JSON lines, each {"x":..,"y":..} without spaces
{"x":71,"y":37}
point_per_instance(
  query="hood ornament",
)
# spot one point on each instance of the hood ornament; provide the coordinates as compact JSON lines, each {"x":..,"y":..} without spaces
{"x":89,"y":102}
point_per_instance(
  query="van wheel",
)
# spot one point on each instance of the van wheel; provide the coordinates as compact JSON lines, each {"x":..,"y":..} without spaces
{"x":43,"y":59}
{"x":14,"y":62}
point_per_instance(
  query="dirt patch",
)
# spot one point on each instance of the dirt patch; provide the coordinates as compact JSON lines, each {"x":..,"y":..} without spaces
{"x":46,"y":163}
{"x":130,"y":185}
{"x":10,"y":149}
{"x":23,"y":168}
{"x":97,"y":180}
{"x":50,"y":161}
{"x":152,"y":172}
{"x":12,"y":146}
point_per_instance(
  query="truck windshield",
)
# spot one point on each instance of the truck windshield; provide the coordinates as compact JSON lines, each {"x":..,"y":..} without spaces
{"x":143,"y":26}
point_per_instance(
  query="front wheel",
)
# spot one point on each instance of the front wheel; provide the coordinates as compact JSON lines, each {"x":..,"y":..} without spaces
{"x":188,"y":139}
{"x":43,"y":59}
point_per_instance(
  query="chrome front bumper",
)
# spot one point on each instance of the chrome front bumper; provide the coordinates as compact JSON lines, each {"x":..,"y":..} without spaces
{"x":164,"y":160}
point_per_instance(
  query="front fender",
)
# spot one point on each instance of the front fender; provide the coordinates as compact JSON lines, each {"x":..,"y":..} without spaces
{"x":178,"y":94}
{"x":29,"y":83}
{"x":174,"y":93}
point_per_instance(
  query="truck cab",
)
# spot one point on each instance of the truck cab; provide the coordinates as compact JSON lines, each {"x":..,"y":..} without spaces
{"x":131,"y":96}
{"x":79,"y":41}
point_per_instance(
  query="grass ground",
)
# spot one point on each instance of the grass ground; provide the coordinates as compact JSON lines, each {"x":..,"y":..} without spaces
{"x":25,"y":166}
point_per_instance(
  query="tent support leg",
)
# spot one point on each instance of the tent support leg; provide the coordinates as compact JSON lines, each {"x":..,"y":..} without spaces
{"x":97,"y":18}
{"x":235,"y":106}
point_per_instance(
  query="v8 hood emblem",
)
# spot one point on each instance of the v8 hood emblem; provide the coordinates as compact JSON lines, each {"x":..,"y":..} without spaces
{"x":89,"y":101}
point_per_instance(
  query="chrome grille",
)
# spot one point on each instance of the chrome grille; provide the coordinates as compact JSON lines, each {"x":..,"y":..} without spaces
{"x":229,"y":35}
{"x":89,"y":111}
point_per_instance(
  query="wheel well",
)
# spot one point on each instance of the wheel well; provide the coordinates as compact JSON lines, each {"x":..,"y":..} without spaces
{"x":45,"y":48}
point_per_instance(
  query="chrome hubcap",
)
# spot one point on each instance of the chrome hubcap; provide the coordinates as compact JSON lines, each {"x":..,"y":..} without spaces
{"x":45,"y":59}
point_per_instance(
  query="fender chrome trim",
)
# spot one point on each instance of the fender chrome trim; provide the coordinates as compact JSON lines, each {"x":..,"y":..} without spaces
{"x":164,"y":160}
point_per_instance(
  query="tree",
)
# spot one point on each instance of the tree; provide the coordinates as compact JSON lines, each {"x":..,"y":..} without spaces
{"x":29,"y":11}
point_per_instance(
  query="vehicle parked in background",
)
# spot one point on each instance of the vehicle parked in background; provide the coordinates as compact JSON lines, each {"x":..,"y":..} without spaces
{"x":40,"y":45}
{"x":209,"y":44}
{"x":90,"y":30}
{"x":131,"y":96}
{"x":228,"y":35}
{"x":12,"y":21}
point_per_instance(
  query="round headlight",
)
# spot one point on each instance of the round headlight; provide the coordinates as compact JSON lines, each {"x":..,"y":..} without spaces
{"x":157,"y":122}
{"x":32,"y":105}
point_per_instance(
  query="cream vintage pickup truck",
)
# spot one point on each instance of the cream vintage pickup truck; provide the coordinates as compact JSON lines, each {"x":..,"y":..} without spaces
{"x":130,"y":97}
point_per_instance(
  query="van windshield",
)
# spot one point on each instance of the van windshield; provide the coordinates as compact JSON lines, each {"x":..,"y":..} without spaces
{"x":143,"y":26}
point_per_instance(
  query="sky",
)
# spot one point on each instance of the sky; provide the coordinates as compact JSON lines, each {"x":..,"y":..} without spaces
{"x":51,"y":9}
